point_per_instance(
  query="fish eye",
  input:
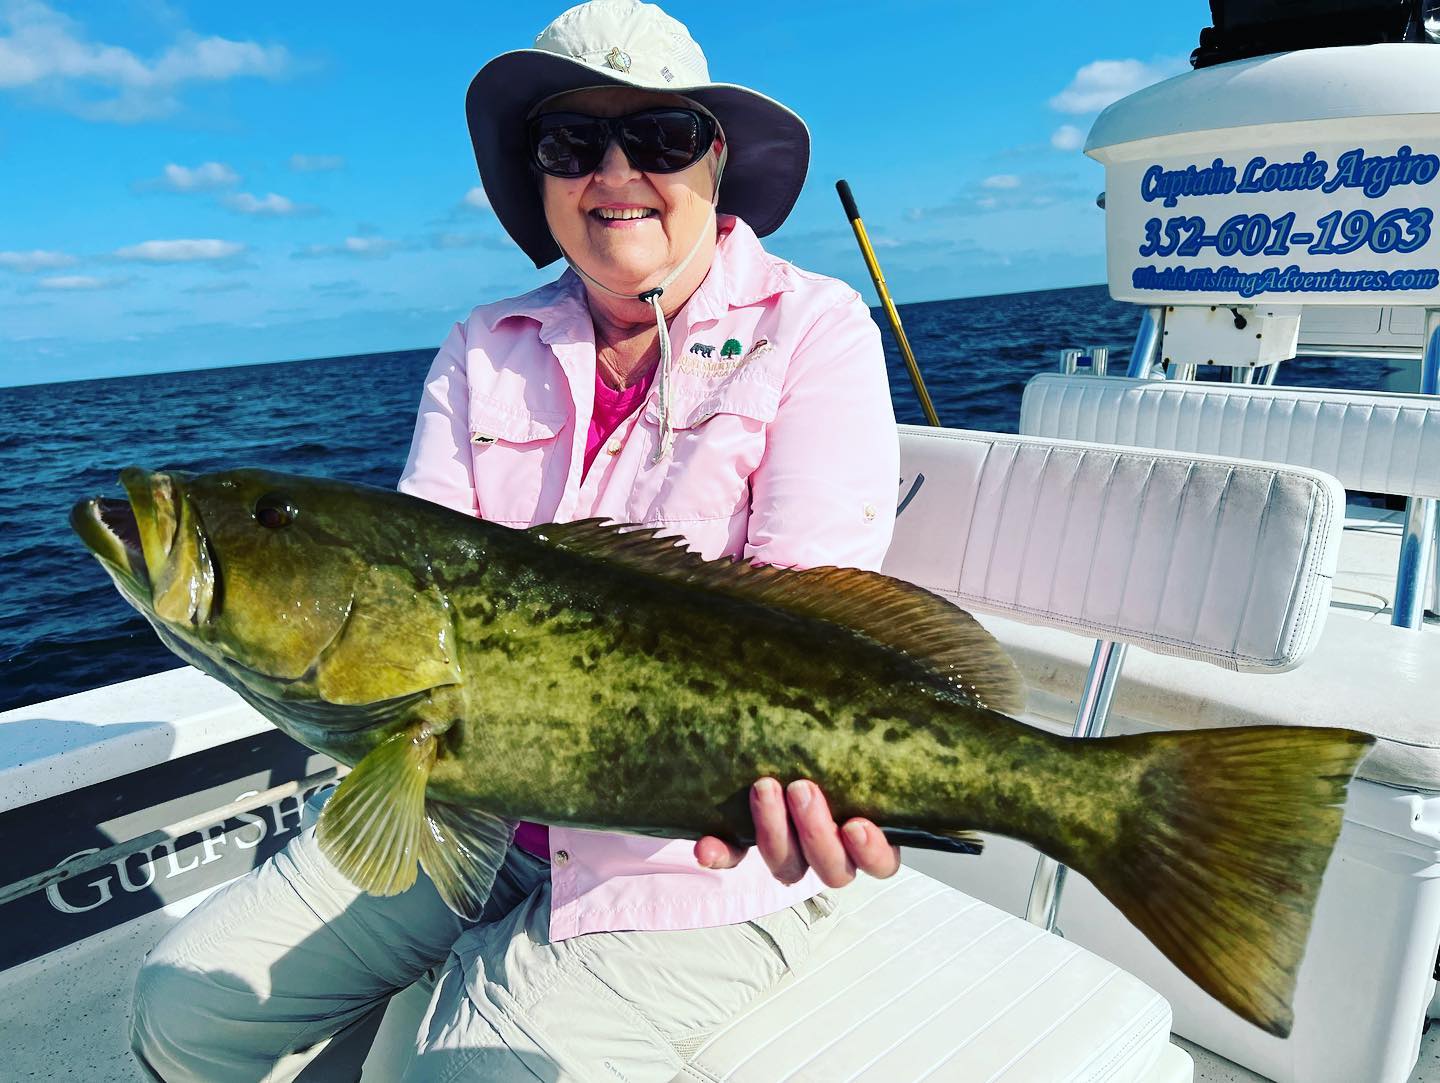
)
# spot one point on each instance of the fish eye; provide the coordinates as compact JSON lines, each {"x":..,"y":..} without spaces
{"x":273,"y":511}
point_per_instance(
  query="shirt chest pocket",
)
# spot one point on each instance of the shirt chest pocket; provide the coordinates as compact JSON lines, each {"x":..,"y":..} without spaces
{"x":519,"y":459}
{"x":719,"y":444}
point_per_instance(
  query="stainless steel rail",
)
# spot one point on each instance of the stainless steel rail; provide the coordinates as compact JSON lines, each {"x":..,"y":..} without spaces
{"x":1417,"y":543}
{"x":1043,"y":906}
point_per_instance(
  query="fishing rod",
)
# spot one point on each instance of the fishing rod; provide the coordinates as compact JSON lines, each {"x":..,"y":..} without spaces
{"x":848,"y":201}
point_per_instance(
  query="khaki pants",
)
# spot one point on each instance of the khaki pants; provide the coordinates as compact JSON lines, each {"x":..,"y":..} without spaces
{"x":278,"y":974}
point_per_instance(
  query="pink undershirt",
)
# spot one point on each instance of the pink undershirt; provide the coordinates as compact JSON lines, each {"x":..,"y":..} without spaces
{"x":611,"y":408}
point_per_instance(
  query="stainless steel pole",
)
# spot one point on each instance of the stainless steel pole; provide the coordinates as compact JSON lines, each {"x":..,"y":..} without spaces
{"x":1043,"y":907}
{"x":1146,"y":354}
{"x":1417,"y":543}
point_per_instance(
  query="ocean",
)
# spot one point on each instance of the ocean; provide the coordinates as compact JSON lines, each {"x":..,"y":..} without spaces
{"x":63,"y":627}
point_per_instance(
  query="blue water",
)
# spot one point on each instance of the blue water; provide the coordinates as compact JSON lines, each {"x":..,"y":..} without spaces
{"x":63,"y":628}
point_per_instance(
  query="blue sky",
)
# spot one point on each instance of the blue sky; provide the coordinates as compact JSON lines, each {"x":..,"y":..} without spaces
{"x":187,"y":185}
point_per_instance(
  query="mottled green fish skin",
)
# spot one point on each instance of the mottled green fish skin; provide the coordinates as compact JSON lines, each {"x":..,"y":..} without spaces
{"x":599,"y":696}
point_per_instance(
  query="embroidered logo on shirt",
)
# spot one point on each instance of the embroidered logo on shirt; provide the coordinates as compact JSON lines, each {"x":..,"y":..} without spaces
{"x":703,"y":359}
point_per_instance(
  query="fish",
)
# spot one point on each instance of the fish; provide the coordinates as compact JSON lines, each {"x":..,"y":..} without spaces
{"x":599,"y":675}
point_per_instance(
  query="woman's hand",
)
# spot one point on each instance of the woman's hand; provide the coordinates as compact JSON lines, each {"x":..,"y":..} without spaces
{"x":795,"y":831}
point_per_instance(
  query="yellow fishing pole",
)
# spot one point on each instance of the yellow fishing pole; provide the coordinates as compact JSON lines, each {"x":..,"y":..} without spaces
{"x":848,"y":201}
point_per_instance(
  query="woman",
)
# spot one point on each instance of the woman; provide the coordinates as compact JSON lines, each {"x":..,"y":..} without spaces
{"x":678,"y":377}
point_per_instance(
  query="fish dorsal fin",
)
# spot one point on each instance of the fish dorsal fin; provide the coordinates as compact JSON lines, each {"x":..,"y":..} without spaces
{"x":889,"y":611}
{"x":371,"y":827}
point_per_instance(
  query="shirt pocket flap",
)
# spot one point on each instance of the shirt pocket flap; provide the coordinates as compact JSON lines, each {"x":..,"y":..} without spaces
{"x":754,"y":400}
{"x":492,"y":420}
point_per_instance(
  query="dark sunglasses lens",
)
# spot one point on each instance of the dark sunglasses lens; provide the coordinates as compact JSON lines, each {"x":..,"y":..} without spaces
{"x":665,"y":140}
{"x":568,"y":146}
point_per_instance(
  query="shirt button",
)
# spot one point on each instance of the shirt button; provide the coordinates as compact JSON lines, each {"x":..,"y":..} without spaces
{"x":869,"y":512}
{"x":562,"y":856}
{"x":613,"y":447}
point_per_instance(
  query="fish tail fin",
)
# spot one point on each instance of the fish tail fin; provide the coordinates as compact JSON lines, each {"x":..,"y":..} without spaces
{"x":1221,"y":848}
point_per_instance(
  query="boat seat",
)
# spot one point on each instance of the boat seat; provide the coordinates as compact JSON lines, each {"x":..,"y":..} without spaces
{"x":1054,"y":544}
{"x":922,"y":982}
{"x":1372,"y":441}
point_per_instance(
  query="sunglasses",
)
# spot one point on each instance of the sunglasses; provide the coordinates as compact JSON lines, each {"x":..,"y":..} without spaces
{"x":654,"y":140}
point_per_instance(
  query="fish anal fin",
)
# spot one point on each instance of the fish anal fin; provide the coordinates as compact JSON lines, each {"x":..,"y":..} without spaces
{"x":371,"y":827}
{"x":940,"y":636}
{"x":950,"y":842}
{"x":462,"y":849}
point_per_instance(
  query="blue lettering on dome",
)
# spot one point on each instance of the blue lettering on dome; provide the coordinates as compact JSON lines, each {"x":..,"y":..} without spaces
{"x":1377,"y":174}
{"x":1170,"y":184}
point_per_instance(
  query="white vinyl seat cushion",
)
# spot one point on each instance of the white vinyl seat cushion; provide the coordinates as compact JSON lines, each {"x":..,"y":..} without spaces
{"x":1155,"y":693}
{"x":1373,"y":441}
{"x":921,"y":982}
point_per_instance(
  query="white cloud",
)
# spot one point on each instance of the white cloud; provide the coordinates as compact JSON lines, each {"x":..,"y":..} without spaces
{"x":1001,"y":182}
{"x":1067,"y":137}
{"x":271,"y":205}
{"x":205,"y":177}
{"x":1101,"y":82}
{"x":357,"y":247}
{"x":477,"y":198}
{"x":47,"y":52}
{"x":182,"y":251}
{"x":316,"y":163}
{"x":37,"y":260}
{"x":77,"y":282}
{"x":226,"y":286}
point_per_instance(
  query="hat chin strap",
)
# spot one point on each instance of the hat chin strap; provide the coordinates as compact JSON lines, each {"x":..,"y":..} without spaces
{"x":652,"y":296}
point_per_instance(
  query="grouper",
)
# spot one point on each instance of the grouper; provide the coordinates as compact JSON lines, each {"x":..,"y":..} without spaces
{"x":600,"y":676}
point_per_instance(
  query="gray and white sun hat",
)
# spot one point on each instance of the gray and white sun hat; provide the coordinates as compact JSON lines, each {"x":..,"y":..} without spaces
{"x":631,"y":44}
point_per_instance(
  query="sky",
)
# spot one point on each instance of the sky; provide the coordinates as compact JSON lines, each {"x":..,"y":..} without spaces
{"x":187,"y":185}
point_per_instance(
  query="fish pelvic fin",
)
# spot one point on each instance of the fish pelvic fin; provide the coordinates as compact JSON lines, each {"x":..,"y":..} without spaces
{"x":371,"y":828}
{"x":1221,"y":854}
{"x":462,"y":849}
{"x":964,"y":659}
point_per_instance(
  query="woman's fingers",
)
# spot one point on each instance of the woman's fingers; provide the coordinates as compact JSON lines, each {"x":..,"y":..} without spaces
{"x":713,"y":853}
{"x":774,"y":834}
{"x":795,"y":831}
{"x":818,"y":834}
{"x":869,"y":849}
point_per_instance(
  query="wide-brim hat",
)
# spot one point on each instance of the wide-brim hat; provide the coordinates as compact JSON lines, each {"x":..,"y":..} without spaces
{"x":628,"y":44}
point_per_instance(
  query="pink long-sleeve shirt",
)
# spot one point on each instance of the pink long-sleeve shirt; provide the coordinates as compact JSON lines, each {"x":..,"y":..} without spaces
{"x":785,"y":452}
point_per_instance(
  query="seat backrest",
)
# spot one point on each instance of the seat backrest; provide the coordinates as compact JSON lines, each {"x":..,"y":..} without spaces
{"x":1373,"y":441}
{"x":1221,"y":560}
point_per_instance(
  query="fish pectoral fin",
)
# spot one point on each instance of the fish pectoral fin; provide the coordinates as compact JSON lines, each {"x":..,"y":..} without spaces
{"x":950,"y":842}
{"x":371,"y":829}
{"x":462,"y":849}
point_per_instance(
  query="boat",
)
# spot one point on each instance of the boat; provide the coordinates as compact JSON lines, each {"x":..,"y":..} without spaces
{"x":1154,"y":550}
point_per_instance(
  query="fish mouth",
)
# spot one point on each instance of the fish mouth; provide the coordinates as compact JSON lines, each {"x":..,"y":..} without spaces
{"x":109,"y":530}
{"x":153,"y":545}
